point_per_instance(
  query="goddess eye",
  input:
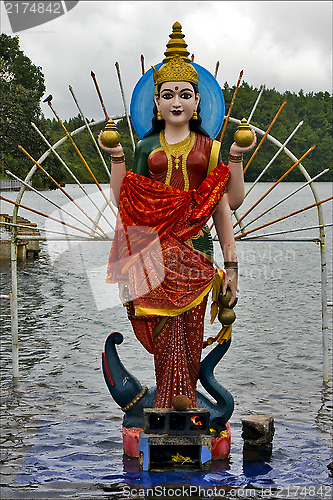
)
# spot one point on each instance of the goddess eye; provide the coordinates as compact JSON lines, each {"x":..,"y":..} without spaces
{"x":167,"y":96}
{"x":186,"y":95}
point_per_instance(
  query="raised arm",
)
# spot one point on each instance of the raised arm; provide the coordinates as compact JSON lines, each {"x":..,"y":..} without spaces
{"x":236,"y":188}
{"x":118,"y":169}
{"x":223,"y":224}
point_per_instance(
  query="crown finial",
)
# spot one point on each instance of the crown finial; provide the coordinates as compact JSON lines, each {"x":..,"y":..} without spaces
{"x":177,"y":45}
{"x":176,"y":64}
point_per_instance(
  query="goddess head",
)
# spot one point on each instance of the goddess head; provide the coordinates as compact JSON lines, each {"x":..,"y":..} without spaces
{"x":176,"y":96}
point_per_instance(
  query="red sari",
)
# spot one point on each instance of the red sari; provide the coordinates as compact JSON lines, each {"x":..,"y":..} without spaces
{"x":169,"y":280}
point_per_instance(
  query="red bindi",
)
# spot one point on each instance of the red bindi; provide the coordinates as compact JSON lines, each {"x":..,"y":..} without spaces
{"x":176,"y":88}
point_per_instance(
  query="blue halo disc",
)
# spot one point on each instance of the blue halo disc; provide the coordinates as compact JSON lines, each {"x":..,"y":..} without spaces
{"x":211,"y":102}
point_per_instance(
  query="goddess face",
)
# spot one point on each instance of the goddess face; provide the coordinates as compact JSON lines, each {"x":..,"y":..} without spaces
{"x":176,"y":102}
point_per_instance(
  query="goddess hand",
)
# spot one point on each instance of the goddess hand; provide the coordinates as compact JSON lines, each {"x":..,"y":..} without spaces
{"x":237,"y":150}
{"x":230,"y":281}
{"x":124,"y":292}
{"x":116,"y":151}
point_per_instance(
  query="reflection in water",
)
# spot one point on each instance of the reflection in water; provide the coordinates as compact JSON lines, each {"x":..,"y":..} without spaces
{"x":323,"y":419}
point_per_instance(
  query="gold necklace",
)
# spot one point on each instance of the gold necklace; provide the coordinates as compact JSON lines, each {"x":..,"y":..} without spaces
{"x":183,"y":149}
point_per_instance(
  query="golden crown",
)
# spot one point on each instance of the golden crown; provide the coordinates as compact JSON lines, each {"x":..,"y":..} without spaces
{"x":176,"y":64}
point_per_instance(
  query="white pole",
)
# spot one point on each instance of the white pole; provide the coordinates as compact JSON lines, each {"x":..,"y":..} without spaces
{"x":324,"y":311}
{"x":124,"y":102}
{"x":256,"y":103}
{"x":13,"y":307}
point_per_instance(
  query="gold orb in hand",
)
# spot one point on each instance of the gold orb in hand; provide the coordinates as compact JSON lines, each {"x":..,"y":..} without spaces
{"x":226,"y":316}
{"x":243,"y":136}
{"x":225,"y":299}
{"x":110,"y":138}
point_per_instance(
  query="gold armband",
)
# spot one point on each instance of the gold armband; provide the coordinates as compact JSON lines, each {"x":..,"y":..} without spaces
{"x":117,"y":159}
{"x":236,"y":159}
{"x":231,"y":265}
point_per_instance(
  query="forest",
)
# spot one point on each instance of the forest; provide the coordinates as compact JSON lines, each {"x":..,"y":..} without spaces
{"x":22,"y":89}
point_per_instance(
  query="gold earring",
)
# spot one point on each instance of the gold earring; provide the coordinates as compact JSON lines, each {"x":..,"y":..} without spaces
{"x":195,"y":115}
{"x":159,"y":115}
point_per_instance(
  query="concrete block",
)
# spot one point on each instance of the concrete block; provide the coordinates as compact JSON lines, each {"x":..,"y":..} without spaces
{"x":258,"y":430}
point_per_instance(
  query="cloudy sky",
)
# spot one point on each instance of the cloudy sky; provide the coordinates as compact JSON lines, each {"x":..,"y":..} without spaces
{"x":286,"y":45}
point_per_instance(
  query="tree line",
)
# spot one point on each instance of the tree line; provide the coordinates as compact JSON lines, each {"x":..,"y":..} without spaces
{"x":22,"y":89}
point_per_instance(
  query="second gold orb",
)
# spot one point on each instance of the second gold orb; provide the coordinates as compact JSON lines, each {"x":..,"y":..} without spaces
{"x":243,"y":136}
{"x":110,"y":138}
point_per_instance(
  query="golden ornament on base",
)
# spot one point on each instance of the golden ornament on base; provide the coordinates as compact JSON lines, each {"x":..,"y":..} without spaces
{"x":181,"y":402}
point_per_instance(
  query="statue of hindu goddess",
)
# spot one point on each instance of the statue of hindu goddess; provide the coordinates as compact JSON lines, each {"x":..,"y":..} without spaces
{"x":162,"y":256}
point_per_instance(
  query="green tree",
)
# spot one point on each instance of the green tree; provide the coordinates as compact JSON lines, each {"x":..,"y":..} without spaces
{"x":314,"y":109}
{"x":21,"y":88}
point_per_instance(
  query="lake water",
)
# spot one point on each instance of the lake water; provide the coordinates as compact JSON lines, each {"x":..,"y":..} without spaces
{"x":59,"y":415}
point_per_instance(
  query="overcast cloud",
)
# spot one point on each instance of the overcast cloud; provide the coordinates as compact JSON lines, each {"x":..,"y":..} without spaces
{"x":286,"y":45}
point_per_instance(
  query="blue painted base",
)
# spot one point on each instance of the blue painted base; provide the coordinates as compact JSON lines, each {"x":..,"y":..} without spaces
{"x":91,"y":453}
{"x":172,"y":450}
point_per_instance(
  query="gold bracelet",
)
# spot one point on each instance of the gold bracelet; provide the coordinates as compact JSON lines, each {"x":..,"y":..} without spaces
{"x":231,"y":265}
{"x":236,"y":159}
{"x":117,"y":159}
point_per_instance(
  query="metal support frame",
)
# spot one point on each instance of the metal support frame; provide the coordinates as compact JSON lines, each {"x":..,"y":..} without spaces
{"x":321,"y":239}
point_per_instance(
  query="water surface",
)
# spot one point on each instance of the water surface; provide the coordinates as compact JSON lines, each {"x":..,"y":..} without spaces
{"x":274,"y":365}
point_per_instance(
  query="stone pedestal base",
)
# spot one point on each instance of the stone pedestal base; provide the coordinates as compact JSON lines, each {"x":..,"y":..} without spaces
{"x":220,"y":446}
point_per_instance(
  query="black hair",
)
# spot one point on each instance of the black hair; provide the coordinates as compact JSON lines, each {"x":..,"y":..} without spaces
{"x":159,"y":125}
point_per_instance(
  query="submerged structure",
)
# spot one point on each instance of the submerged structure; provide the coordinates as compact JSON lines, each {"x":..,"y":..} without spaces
{"x":134,"y":399}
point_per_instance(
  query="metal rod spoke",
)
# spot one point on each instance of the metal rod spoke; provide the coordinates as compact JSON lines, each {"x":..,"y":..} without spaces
{"x":295,"y":230}
{"x":216,"y":69}
{"x":62,"y":190}
{"x":89,"y":130}
{"x":50,"y":217}
{"x":80,"y":155}
{"x":73,"y":176}
{"x":67,"y":237}
{"x":284,"y":199}
{"x":273,"y":159}
{"x":274,"y":185}
{"x":263,"y":239}
{"x":231,"y":105}
{"x":99,"y":95}
{"x":39,"y":229}
{"x":124,"y":102}
{"x":264,"y":136}
{"x":284,"y":217}
{"x":262,"y":88}
{"x":48,"y":199}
